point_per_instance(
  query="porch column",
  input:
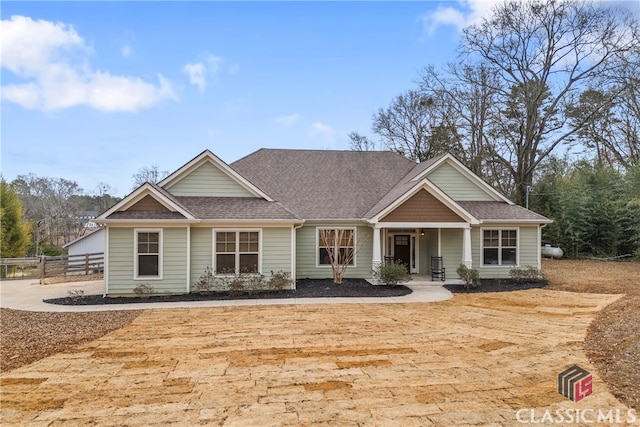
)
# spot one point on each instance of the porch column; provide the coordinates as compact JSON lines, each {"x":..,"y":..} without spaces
{"x":377,"y":248}
{"x":466,"y":247}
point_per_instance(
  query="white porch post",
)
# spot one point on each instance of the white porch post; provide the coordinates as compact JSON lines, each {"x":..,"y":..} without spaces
{"x":466,"y":247}
{"x":377,"y":248}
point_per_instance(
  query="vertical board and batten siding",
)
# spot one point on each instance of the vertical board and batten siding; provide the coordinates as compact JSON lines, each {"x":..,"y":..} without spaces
{"x":527,"y":251}
{"x":306,"y":250}
{"x":276,"y":250}
{"x":88,"y":244}
{"x":456,"y":185}
{"x":451,"y":250}
{"x":208,"y":180}
{"x":121,"y":262}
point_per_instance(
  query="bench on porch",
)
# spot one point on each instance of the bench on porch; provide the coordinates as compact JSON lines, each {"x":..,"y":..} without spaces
{"x":437,"y":268}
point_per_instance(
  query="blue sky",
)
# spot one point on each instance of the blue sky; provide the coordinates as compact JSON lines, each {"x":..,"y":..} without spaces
{"x":94,"y":91}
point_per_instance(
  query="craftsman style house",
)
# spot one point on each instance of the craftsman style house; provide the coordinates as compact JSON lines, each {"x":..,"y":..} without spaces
{"x":266,"y":211}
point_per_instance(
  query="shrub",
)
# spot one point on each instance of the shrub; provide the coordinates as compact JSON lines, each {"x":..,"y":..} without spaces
{"x":76,"y":294}
{"x":392,"y":273}
{"x":525,"y":274}
{"x":144,"y":290}
{"x":279,"y":281}
{"x":235,"y":285}
{"x":207,"y":282}
{"x":470,"y":276}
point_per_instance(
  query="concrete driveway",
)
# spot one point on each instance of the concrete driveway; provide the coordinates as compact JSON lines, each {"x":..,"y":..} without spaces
{"x":489,"y":359}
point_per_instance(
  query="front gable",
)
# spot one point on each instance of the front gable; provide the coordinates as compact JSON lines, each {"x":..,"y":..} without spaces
{"x":147,"y":202}
{"x":457,"y":185}
{"x":208,"y":176}
{"x":422,"y":207}
{"x":458,"y":182}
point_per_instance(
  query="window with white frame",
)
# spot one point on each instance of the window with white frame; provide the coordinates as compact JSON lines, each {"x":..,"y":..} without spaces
{"x":237,"y":252}
{"x":338,"y":243}
{"x":500,"y":247}
{"x":148,"y":253}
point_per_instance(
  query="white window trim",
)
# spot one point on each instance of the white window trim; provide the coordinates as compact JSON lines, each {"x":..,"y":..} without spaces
{"x":355,"y":239}
{"x":160,"y":254}
{"x":500,"y":265}
{"x":237,"y":253}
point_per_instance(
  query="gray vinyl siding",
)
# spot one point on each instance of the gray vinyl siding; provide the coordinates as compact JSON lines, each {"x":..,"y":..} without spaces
{"x":208,"y":180}
{"x":201,"y":256}
{"x":121,"y":262}
{"x":428,"y":248}
{"x":456,"y":185}
{"x":306,"y":250}
{"x":451,"y":250}
{"x":527,"y":251}
{"x":276,"y":250}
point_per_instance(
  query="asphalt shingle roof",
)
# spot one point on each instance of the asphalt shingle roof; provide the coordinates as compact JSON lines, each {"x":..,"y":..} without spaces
{"x":500,"y":211}
{"x":325,"y":184}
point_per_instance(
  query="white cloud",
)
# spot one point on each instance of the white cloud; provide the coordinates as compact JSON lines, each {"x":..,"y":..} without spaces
{"x":324,"y":131}
{"x":468,"y":12}
{"x":201,"y":72}
{"x":53,"y":58}
{"x":287,"y":120}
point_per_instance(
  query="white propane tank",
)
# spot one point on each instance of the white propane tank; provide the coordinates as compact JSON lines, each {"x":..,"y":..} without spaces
{"x":549,"y":251}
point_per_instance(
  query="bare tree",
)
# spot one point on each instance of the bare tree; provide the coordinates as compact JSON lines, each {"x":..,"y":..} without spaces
{"x":543,"y":53}
{"x":148,"y":174}
{"x":469,"y":90}
{"x":360,"y":142}
{"x":340,"y":250}
{"x":414,"y":127}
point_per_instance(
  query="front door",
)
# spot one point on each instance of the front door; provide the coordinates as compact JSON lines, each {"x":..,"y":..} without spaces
{"x":402,"y":249}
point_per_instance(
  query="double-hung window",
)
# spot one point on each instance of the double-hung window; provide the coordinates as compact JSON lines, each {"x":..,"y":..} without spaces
{"x":500,"y":247}
{"x":237,"y":252}
{"x":338,"y":243}
{"x":148,"y":256}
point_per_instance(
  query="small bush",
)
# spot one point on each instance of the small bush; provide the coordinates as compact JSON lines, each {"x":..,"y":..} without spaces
{"x":279,"y":281}
{"x":392,"y":273}
{"x":253,"y":282}
{"x":236,"y":286}
{"x":144,"y":290}
{"x":206,"y":284}
{"x":76,"y":294}
{"x":470,"y":276}
{"x":525,"y":274}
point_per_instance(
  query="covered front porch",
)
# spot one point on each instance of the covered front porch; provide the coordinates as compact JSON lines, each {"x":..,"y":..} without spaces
{"x":414,"y":244}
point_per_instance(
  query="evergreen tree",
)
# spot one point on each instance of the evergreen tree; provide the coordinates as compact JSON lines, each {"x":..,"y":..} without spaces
{"x":14,"y":231}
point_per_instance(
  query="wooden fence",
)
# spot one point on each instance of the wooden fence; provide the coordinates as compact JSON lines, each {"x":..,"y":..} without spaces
{"x":51,"y":266}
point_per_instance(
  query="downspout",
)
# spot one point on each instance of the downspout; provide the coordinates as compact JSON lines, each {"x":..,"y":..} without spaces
{"x":294,"y":238}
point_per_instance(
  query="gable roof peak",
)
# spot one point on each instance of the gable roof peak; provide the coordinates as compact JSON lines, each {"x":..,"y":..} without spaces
{"x":208,"y":156}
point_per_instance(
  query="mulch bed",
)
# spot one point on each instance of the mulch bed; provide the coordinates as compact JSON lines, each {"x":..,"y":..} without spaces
{"x":498,"y":285}
{"x":28,"y":336}
{"x":613,"y":346}
{"x":305,"y":288}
